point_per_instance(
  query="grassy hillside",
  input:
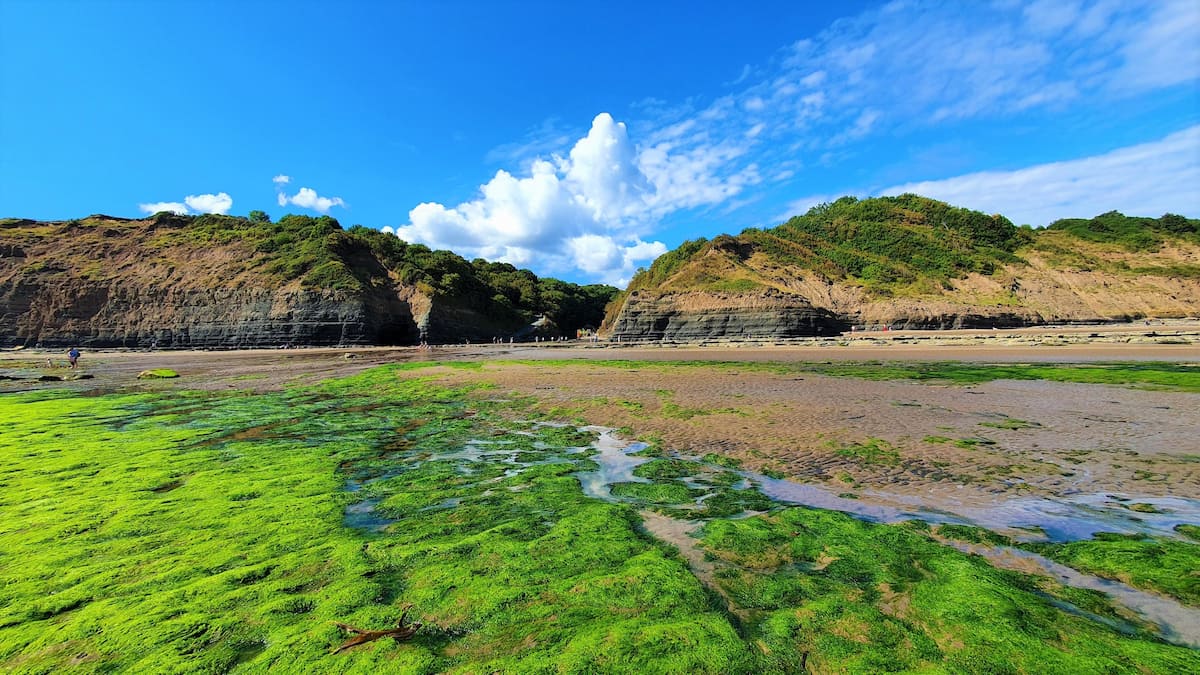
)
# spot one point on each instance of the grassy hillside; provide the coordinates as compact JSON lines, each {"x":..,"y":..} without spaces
{"x":905,"y":245}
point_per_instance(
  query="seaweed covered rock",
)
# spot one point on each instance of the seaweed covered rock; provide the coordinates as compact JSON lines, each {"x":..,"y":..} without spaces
{"x":157,"y":374}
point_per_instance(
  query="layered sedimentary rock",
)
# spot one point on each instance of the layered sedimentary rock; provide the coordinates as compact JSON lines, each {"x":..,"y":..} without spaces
{"x":128,"y":314}
{"x":1100,"y":285}
{"x":913,"y":262}
{"x":689,"y":317}
{"x":1021,"y":295}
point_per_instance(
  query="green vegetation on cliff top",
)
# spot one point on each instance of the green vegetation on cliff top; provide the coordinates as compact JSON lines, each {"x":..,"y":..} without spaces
{"x":893,"y":245}
{"x":323,"y":255}
{"x":1129,"y":232}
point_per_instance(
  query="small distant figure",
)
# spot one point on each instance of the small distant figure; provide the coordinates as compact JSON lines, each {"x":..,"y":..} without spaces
{"x":73,"y":358}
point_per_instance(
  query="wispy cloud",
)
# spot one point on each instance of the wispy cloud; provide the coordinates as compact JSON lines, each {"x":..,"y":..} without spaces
{"x":1146,"y":179}
{"x":1164,"y":49}
{"x":911,"y":64}
{"x":907,"y":65}
{"x":548,"y":137}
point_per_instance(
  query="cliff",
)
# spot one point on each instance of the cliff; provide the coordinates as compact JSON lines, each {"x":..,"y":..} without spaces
{"x":912,"y":262}
{"x":225,"y":282}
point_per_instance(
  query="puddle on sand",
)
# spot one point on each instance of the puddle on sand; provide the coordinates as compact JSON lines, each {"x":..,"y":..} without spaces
{"x":1066,"y":519}
{"x":1077,"y":517}
{"x":1081,"y":516}
{"x":802,"y":494}
{"x":1177,"y":623}
{"x":616,"y":464}
{"x":361,"y":515}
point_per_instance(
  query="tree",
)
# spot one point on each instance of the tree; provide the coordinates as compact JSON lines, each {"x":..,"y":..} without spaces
{"x":257,"y":216}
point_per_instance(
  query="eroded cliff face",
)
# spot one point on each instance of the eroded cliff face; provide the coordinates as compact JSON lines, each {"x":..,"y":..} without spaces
{"x":690,"y":317}
{"x":104,"y":284}
{"x":129,"y":313}
{"x":790,"y":302}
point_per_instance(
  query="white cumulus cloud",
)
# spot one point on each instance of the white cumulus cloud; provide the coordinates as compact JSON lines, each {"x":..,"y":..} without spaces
{"x":305,"y":198}
{"x":863,"y":82}
{"x":156,"y":207}
{"x":218,"y":203}
{"x":586,"y":210}
{"x":309,"y":199}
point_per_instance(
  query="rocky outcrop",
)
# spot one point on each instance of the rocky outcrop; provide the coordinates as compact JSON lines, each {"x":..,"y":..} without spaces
{"x":106,"y":283}
{"x":798,"y":303}
{"x":912,"y":262}
{"x":218,"y":281}
{"x":689,"y":317}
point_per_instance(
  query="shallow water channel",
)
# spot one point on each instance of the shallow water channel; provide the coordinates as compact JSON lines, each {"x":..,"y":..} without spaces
{"x":1078,"y":517}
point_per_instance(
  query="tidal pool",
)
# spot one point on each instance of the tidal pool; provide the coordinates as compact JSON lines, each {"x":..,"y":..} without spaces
{"x":616,"y":464}
{"x":616,"y":461}
{"x":1079,"y":517}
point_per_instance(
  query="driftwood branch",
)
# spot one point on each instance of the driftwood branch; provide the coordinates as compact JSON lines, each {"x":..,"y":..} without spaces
{"x":403,"y":631}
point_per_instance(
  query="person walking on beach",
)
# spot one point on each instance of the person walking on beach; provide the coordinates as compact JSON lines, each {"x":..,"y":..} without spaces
{"x":73,"y":358}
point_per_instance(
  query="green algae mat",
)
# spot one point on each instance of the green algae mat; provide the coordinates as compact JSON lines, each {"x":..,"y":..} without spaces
{"x":202,"y":532}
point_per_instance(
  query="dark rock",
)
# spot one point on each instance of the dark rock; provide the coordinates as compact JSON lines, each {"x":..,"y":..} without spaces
{"x":111,"y":314}
{"x":665,"y":318}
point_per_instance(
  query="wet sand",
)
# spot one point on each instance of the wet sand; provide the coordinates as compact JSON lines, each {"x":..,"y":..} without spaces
{"x":1084,"y":439}
{"x":272,"y":368}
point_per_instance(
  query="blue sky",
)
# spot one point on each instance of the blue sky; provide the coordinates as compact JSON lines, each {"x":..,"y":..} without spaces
{"x":581,"y":139}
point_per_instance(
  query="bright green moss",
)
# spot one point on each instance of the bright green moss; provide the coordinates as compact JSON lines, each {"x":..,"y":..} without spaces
{"x":1167,"y":566}
{"x":203,"y":532}
{"x":1150,"y":374}
{"x":656,"y":493}
{"x":864,"y":598}
{"x":199,"y":532}
{"x":660,"y":469}
{"x":1189,"y":531}
{"x":873,"y":451}
{"x":157,"y":374}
